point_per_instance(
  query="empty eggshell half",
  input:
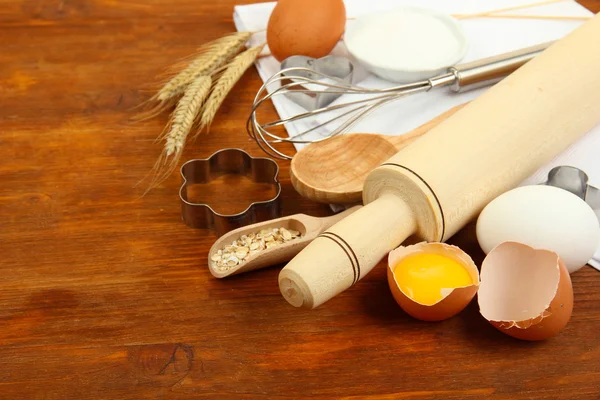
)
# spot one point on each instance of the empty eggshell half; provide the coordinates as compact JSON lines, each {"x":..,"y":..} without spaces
{"x":544,"y":217}
{"x":525,"y":292}
{"x":453,"y":301}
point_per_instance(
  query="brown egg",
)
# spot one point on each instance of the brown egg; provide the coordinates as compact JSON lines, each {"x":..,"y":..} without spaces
{"x":453,"y":300}
{"x":305,"y":27}
{"x":525,"y":292}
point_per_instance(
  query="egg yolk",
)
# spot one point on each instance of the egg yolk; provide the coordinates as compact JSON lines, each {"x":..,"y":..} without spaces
{"x":422,"y":276}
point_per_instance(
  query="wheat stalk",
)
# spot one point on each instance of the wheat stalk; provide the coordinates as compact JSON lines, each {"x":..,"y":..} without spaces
{"x":212,"y":56}
{"x":205,"y":83}
{"x":209,"y":58}
{"x":228,"y":77}
{"x":182,"y":120}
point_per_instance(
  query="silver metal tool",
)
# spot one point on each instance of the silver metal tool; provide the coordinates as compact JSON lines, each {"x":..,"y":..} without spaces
{"x":228,"y":161}
{"x":575,"y":181}
{"x":315,"y":68}
{"x":459,"y":78}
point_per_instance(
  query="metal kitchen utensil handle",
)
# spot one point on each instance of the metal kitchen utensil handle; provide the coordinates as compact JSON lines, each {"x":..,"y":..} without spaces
{"x":457,"y":78}
{"x":487,"y":71}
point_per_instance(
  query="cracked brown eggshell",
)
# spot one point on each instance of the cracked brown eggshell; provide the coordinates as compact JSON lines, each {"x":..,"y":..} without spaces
{"x":525,"y":292}
{"x":453,"y":301}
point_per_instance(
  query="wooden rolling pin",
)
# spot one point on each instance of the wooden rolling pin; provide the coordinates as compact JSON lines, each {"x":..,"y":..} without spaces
{"x":433,"y":187}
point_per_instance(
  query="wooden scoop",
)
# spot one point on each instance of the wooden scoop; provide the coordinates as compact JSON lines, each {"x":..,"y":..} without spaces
{"x":334,"y":171}
{"x":309,"y":228}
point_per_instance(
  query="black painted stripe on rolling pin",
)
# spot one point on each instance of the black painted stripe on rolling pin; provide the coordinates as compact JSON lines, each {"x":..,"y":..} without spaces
{"x":349,"y":253}
{"x":431,"y":190}
{"x":346,"y":247}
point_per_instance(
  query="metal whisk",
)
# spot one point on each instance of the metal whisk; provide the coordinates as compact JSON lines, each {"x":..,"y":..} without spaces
{"x":292,"y":80}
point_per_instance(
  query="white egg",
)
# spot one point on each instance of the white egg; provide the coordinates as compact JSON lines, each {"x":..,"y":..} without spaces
{"x":543,"y":217}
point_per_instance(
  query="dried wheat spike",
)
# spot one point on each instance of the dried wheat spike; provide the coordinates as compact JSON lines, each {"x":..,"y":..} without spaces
{"x":212,"y":56}
{"x":228,"y":77}
{"x":176,"y":132}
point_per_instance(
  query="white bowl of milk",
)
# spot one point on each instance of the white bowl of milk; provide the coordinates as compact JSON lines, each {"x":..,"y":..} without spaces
{"x":406,"y":44}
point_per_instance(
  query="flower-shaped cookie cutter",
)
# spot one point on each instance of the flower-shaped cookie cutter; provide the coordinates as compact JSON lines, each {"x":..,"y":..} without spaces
{"x":575,"y":181}
{"x":333,"y":67}
{"x":228,"y":161}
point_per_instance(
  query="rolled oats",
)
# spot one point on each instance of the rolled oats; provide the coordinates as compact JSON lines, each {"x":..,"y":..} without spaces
{"x":248,"y":245}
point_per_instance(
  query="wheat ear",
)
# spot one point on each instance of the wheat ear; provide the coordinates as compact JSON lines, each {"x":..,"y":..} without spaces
{"x":176,"y":132}
{"x":212,"y":56}
{"x":228,"y":77}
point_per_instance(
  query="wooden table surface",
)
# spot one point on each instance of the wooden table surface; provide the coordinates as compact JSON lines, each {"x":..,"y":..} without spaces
{"x":107,"y":295}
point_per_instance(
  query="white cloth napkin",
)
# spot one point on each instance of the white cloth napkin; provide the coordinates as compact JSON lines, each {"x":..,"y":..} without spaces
{"x":487,"y":37}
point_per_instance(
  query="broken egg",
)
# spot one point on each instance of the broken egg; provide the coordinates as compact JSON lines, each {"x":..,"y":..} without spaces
{"x":432,"y":281}
{"x":525,"y":292}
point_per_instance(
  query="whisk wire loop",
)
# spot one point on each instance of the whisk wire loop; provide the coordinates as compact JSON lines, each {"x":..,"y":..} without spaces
{"x":300,"y":80}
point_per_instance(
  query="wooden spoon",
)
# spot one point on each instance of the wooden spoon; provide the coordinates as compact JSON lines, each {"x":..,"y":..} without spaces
{"x":333,"y":171}
{"x":309,"y":228}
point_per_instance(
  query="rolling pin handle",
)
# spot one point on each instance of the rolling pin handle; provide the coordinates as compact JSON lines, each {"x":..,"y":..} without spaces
{"x":346,"y":252}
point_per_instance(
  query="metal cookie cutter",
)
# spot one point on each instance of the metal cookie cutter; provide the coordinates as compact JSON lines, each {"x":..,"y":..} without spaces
{"x":228,"y":161}
{"x":337,"y":68}
{"x":575,"y":181}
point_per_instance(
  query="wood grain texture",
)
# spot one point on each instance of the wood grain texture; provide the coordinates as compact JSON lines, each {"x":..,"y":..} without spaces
{"x":107,"y":296}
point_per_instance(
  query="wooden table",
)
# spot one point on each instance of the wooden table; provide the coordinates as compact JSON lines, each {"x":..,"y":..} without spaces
{"x":107,"y":295}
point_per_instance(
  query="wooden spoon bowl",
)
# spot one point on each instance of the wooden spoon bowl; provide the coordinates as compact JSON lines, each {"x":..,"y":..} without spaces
{"x":334,"y":171}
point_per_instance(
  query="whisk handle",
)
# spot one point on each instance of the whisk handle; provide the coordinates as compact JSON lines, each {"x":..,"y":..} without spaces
{"x":488,"y":71}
